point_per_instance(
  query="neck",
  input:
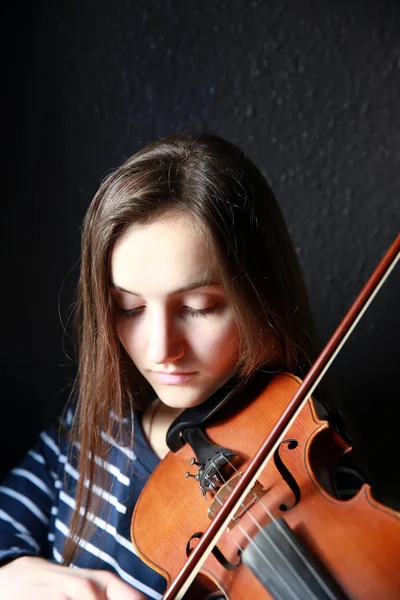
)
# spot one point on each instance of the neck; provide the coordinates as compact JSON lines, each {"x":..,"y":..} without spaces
{"x":157,"y":419}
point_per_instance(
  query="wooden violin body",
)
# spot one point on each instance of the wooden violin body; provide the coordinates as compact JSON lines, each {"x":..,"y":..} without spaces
{"x":356,"y":542}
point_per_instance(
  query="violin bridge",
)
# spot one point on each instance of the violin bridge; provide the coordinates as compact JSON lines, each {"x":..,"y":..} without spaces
{"x":252,"y":497}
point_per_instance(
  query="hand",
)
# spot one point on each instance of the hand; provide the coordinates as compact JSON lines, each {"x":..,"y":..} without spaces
{"x":31,"y":577}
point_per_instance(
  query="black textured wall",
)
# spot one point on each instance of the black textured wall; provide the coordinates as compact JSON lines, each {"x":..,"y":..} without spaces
{"x":309,"y":89}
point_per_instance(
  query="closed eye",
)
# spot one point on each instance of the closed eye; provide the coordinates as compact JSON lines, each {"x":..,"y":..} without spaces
{"x":193,"y":312}
{"x":130,"y":312}
{"x":201,"y":312}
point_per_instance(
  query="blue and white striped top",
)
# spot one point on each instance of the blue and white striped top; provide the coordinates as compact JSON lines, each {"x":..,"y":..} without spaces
{"x":38,"y":496}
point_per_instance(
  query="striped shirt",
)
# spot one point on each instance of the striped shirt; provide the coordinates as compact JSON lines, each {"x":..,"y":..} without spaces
{"x":38,"y":497}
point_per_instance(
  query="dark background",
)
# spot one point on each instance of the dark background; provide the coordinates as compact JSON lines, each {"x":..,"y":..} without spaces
{"x":311,"y":90}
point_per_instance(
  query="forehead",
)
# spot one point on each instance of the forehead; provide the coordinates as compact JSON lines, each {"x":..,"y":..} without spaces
{"x":163,"y":255}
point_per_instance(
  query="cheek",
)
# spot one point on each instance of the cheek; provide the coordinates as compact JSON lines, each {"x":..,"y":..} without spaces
{"x":125,"y":335}
{"x":218,"y":344}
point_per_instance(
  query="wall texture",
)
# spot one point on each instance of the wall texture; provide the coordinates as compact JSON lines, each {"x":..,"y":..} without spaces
{"x":310,"y":90}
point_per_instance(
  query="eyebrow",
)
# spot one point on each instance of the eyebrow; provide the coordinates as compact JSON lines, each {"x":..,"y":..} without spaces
{"x":186,"y":288}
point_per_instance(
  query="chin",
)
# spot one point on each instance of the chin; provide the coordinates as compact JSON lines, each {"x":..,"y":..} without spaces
{"x":182,"y":398}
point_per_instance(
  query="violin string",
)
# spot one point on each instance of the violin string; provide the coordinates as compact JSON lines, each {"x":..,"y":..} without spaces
{"x":282,"y":556}
{"x":308,"y":565}
{"x":251,"y":561}
{"x":299,"y":553}
{"x":266,"y":561}
{"x":281,"y":530}
{"x":289,"y":588}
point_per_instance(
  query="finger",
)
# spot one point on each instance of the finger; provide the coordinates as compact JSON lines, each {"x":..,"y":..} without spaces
{"x":117,"y":589}
{"x":77,"y":587}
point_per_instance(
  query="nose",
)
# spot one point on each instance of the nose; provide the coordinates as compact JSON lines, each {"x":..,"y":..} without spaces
{"x":166,"y":341}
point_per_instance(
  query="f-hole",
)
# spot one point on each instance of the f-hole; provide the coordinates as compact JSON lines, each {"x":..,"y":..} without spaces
{"x":286,"y":474}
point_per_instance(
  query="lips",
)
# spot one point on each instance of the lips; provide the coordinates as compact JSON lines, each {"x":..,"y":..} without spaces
{"x":173,"y":378}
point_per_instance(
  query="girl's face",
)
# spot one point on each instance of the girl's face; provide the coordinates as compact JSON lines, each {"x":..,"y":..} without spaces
{"x":171,"y":313}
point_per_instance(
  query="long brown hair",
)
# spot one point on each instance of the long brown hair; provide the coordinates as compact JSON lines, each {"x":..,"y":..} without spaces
{"x":215,"y":183}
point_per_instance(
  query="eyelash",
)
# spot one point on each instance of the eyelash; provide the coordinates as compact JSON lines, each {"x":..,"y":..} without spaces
{"x":201,"y":312}
{"x":193,"y":312}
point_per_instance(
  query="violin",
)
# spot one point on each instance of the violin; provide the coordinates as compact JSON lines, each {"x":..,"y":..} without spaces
{"x":259,"y":518}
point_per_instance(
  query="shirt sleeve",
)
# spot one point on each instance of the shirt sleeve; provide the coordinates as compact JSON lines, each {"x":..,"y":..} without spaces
{"x":27,"y":495}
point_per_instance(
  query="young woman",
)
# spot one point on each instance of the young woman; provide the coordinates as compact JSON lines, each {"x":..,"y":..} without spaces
{"x":188,"y":276}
